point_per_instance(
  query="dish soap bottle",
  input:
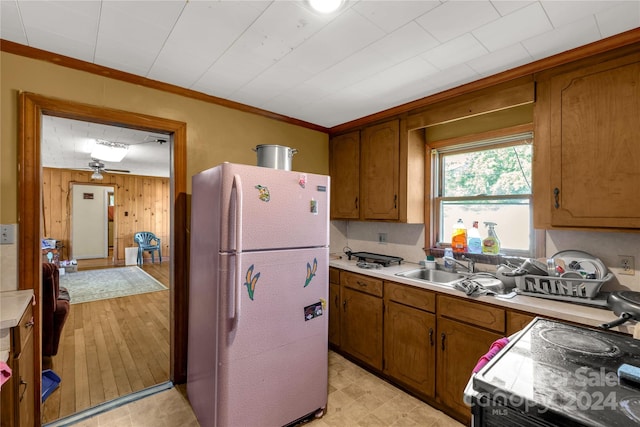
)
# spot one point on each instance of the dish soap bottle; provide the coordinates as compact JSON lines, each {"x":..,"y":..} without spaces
{"x":474,"y":241}
{"x":491,"y":244}
{"x":459,"y":237}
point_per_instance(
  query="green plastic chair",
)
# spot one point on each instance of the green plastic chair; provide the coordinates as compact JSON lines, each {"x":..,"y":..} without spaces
{"x":148,"y":242}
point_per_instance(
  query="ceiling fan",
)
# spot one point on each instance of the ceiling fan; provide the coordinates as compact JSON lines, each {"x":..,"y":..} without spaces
{"x":98,"y":168}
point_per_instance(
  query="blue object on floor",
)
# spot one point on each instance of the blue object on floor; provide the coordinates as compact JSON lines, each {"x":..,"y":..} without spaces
{"x":50,"y":382}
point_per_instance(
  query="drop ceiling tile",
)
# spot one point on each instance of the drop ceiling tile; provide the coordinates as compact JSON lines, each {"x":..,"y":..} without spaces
{"x":64,"y":27}
{"x":130,"y":38}
{"x":568,"y":37}
{"x":513,"y":28}
{"x":452,"y":77}
{"x":454,"y":52}
{"x":11,"y":23}
{"x":406,"y":73}
{"x":391,"y":15}
{"x":445,"y":23}
{"x":344,"y":36}
{"x":204,"y":32}
{"x":562,"y":12}
{"x":500,"y":60}
{"x":505,"y":7}
{"x":623,"y":17}
{"x":401,"y":45}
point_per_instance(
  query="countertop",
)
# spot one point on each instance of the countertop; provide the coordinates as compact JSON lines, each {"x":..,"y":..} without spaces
{"x":581,"y":314}
{"x":12,"y":307}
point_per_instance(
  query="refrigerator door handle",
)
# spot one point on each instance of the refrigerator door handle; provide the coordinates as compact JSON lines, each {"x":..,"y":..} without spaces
{"x":237,"y":184}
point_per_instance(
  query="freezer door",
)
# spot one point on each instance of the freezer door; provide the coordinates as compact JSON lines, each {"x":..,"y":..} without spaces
{"x":272,"y":364}
{"x":263,"y":208}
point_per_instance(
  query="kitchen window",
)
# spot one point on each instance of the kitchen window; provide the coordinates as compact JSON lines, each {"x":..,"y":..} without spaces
{"x":486,"y":181}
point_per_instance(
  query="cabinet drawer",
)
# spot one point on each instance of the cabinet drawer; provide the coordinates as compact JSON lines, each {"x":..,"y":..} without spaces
{"x":362,"y":283}
{"x":484,"y":316}
{"x":23,"y":330}
{"x":334,"y":275}
{"x":411,"y":296}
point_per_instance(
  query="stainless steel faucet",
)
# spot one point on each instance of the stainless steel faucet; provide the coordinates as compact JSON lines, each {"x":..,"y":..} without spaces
{"x":470,"y":266}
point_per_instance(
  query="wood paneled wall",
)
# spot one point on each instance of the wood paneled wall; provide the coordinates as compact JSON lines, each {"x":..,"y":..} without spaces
{"x":142,"y":203}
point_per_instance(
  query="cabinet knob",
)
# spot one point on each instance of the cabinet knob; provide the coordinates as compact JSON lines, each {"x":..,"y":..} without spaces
{"x":344,"y":305}
{"x":356,"y":203}
{"x":431,"y":337}
{"x":442,"y":337}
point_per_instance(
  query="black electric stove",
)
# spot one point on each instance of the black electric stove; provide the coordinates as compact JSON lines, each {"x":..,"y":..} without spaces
{"x":556,"y":374}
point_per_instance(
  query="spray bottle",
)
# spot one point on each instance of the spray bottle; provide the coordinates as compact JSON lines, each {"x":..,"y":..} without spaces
{"x":491,"y":243}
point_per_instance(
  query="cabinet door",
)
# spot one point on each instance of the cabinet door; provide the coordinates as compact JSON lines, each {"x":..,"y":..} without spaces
{"x":409,"y":347}
{"x":595,"y":160}
{"x":517,"y":321}
{"x":380,"y":171}
{"x":334,"y":314}
{"x":459,"y":348}
{"x":25,"y":384}
{"x":344,"y":168}
{"x":361,"y":328}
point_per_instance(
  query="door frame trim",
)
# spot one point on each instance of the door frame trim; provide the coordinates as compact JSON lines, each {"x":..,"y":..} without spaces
{"x":31,"y":108}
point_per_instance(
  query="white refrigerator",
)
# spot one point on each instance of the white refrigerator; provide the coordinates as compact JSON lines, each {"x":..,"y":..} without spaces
{"x":258,"y":291}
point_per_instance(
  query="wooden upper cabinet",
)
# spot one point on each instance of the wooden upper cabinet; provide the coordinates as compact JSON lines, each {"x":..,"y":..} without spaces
{"x":595,"y":145}
{"x":380,"y":153}
{"x":344,"y":168}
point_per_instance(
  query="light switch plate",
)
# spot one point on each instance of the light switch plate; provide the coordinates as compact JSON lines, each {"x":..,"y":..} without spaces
{"x":7,"y":234}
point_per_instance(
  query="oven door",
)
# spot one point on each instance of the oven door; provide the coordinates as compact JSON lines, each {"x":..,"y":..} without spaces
{"x":487,"y":412}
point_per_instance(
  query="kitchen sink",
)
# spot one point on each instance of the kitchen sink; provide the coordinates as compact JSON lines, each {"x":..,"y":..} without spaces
{"x":439,"y":277}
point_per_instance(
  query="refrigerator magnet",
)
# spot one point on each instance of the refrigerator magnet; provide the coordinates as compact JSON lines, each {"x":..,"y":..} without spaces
{"x":302,"y":180}
{"x":263,"y":193}
{"x":313,"y":206}
{"x":312,"y":311}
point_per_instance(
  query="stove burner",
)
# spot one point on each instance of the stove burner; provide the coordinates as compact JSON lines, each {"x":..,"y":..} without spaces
{"x":579,"y":342}
{"x":631,"y":407}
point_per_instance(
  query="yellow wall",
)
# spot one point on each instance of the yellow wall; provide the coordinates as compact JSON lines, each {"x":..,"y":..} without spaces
{"x":215,"y":134}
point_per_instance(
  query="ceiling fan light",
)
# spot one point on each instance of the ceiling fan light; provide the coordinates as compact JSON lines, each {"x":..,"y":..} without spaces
{"x":96,"y":175}
{"x":325,"y":6}
{"x":109,"y":151}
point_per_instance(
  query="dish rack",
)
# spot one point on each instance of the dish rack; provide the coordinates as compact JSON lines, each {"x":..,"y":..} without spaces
{"x":557,"y":286}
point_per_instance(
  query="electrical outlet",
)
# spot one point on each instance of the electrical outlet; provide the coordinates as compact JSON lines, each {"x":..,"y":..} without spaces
{"x":382,"y":238}
{"x":627,"y":264}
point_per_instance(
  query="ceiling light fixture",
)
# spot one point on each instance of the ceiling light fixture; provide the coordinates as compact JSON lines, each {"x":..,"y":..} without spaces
{"x":97,"y":175}
{"x":109,"y":151}
{"x":325,"y":6}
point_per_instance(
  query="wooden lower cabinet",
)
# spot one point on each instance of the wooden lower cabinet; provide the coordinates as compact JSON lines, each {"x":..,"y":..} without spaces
{"x":17,"y":394}
{"x":334,"y":314}
{"x":409,"y":347}
{"x":459,"y":348}
{"x":517,"y":321}
{"x":361,"y":326}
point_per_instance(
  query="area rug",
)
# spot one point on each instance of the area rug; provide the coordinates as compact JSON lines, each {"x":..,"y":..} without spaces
{"x":93,"y":285}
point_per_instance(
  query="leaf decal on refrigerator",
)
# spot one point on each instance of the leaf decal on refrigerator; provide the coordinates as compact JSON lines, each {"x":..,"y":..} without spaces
{"x":250,"y":282}
{"x":311,"y":271}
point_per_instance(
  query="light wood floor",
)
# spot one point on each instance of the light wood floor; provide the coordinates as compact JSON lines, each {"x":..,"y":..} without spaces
{"x":111,"y":348}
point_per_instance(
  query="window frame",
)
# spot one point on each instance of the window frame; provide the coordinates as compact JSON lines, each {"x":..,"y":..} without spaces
{"x":504,"y":140}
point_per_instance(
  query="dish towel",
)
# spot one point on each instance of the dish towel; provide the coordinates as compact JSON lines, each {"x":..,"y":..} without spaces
{"x":5,"y":373}
{"x":493,"y":350}
{"x":472,"y":288}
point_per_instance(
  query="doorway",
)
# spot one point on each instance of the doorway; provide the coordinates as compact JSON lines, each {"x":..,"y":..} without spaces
{"x":32,"y":108}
